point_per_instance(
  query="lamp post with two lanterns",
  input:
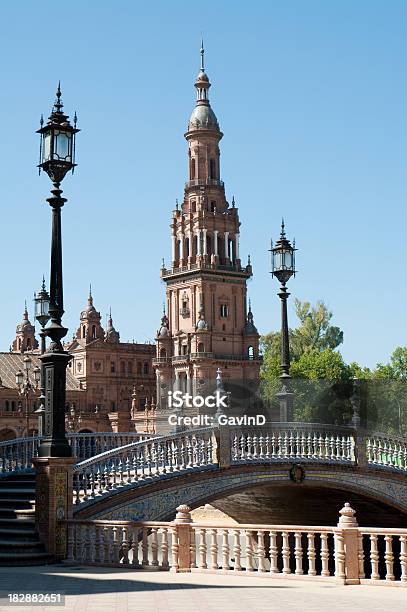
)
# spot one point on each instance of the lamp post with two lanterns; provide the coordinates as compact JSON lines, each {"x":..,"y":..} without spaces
{"x":26,"y":387}
{"x":283,"y":268}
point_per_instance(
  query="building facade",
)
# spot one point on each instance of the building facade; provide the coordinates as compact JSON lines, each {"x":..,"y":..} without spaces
{"x":110,"y":384}
{"x":208,"y":323}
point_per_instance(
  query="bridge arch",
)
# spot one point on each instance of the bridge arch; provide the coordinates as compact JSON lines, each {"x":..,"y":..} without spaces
{"x":158,"y":500}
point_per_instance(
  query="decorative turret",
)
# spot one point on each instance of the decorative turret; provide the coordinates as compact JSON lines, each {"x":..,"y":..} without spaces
{"x":250,"y":328}
{"x":112,"y":335}
{"x":90,"y":327}
{"x":25,"y":335}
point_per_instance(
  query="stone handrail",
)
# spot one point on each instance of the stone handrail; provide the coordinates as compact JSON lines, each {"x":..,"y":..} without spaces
{"x":137,"y":463}
{"x":16,"y":455}
{"x":345,"y":553}
{"x":385,"y":450}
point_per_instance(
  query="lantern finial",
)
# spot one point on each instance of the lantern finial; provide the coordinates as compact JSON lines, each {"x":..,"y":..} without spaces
{"x":282,"y":235}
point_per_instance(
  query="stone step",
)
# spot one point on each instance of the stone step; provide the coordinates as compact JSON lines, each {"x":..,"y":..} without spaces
{"x":26,"y":558}
{"x":22,"y":525}
{"x":18,"y":534}
{"x":17,"y":491}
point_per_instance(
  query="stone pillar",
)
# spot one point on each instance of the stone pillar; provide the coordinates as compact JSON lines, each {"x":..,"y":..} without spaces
{"x":53,"y":502}
{"x":226,"y":245}
{"x":221,"y":446}
{"x":204,"y":241}
{"x":174,"y":250}
{"x":182,"y":535}
{"x":198,"y":250}
{"x":237,"y":246}
{"x":347,"y":547}
{"x":215,"y":242}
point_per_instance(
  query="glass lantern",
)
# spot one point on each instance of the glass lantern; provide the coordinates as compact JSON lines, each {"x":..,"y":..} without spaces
{"x":41,"y":303}
{"x":283,"y":258}
{"x":19,"y":378}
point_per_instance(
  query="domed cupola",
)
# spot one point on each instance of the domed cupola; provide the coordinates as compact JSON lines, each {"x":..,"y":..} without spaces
{"x":90,"y":327}
{"x":112,"y":335}
{"x":202,"y":117}
{"x":25,"y":335}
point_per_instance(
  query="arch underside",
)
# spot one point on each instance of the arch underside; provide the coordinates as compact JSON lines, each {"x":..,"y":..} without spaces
{"x":265,"y":494}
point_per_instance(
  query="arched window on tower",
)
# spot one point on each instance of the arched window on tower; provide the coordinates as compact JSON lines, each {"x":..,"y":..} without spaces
{"x":83,"y":331}
{"x":193,"y":206}
{"x":163,"y":352}
{"x":179,"y":249}
{"x":201,"y":347}
{"x":7,"y":406}
{"x":192,"y":169}
{"x":250,"y":352}
{"x":19,"y":343}
{"x":146,"y":368}
{"x":209,"y":249}
{"x":28,"y":343}
{"x":93,"y":331}
{"x":230,"y":250}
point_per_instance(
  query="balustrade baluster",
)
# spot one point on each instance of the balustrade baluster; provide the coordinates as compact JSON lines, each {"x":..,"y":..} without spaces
{"x":273,"y":445}
{"x":389,"y":557}
{"x":209,"y":452}
{"x":343,"y":453}
{"x":285,"y":551}
{"x":309,"y":445}
{"x":144,"y":546}
{"x":116,"y":545}
{"x":214,"y":549}
{"x":320,"y":446}
{"x":225,"y":549}
{"x":237,"y":550}
{"x":291,"y":444}
{"x":106,"y":544}
{"x":403,"y":558}
{"x":154,"y":546}
{"x":273,"y":550}
{"x":128,"y":471}
{"x":339,"y":556}
{"x":267,"y":446}
{"x":235,"y":449}
{"x":202,"y":549}
{"x":260,"y":553}
{"x":249,"y":551}
{"x":192,"y":548}
{"x":374,"y":558}
{"x":174,"y":548}
{"x":134,"y":546}
{"x":279,"y":445}
{"x":125,"y":545}
{"x":324,"y":554}
{"x":164,"y":547}
{"x":369,"y":451}
{"x":242,"y":447}
{"x":249,"y":447}
{"x":255,"y":446}
{"x":298,"y":553}
{"x":311,"y":554}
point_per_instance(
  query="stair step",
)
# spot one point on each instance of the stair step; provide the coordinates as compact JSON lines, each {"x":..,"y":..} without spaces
{"x":23,"y":533}
{"x":17,"y":491}
{"x":17,"y":544}
{"x":35,"y":558}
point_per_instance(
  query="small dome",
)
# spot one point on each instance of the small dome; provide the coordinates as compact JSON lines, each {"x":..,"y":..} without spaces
{"x":203,"y":117}
{"x":202,"y":76}
{"x":163,"y":331}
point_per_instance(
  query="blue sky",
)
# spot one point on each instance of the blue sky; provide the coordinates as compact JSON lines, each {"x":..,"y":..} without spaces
{"x":311,"y":97}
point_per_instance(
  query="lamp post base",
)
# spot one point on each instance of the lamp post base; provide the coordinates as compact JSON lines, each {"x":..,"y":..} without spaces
{"x":55,"y":443}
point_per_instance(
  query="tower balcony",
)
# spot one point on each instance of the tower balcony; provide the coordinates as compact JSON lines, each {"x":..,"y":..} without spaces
{"x":233,"y":268}
{"x":206,"y":355}
{"x":204,"y":183}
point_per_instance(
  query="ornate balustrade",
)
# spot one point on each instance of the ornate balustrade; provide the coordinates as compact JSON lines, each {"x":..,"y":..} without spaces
{"x":386,"y":451}
{"x":143,"y":461}
{"x":288,"y":551}
{"x":290,"y":441}
{"x":16,"y":455}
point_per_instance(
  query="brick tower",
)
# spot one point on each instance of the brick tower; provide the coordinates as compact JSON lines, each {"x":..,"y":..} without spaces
{"x":207,"y":325}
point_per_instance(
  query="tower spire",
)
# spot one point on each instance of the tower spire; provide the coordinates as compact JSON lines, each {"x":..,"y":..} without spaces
{"x":202,"y":51}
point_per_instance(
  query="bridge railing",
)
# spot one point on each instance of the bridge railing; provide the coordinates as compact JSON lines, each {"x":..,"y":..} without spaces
{"x":17,"y":455}
{"x":345,"y":553}
{"x":142,"y":461}
{"x":386,"y":451}
{"x":291,"y":441}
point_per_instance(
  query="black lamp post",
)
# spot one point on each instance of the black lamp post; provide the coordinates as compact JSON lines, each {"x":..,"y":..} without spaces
{"x":41,"y":301}
{"x":57,"y":157}
{"x":283,"y":268}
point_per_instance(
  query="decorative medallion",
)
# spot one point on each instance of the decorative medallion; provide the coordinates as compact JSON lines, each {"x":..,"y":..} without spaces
{"x":297,"y":473}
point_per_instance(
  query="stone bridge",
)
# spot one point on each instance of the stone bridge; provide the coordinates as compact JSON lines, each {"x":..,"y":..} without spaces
{"x":282,"y":464}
